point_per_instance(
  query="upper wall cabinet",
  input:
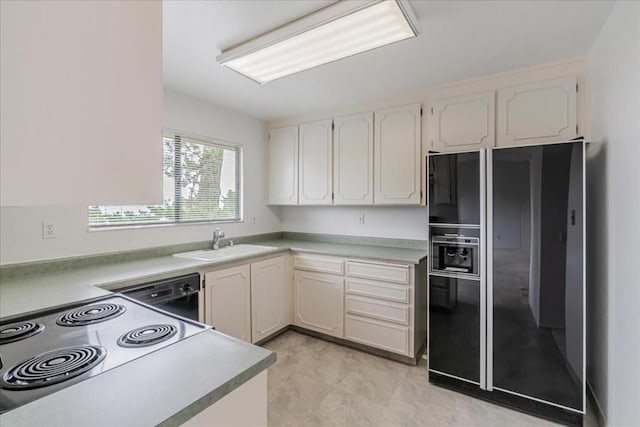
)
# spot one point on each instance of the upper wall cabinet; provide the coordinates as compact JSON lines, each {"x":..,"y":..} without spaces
{"x":537,"y":112}
{"x":353,"y":159}
{"x":463,"y":122}
{"x":282,"y":168}
{"x":397,"y":147}
{"x":81,"y":100}
{"x":315,"y":163}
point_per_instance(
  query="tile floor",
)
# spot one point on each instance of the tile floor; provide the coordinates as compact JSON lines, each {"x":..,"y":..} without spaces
{"x":317,"y":383}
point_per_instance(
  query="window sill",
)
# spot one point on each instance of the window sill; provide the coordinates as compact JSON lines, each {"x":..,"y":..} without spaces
{"x":165,"y":225}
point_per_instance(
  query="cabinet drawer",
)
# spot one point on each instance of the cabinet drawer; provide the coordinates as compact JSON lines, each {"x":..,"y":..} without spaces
{"x":387,"y":336}
{"x":387,"y":272}
{"x":386,"y":291}
{"x":322,"y":264}
{"x":382,"y":310}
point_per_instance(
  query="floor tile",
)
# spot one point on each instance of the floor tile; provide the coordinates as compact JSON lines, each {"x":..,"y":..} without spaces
{"x":315,"y":383}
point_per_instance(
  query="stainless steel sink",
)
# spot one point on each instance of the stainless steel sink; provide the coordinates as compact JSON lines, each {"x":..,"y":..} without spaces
{"x":224,"y":253}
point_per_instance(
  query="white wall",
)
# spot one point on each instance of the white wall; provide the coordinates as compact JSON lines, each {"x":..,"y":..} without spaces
{"x":379,"y":221}
{"x":613,"y":214}
{"x":79,"y":82}
{"x":20,"y":227}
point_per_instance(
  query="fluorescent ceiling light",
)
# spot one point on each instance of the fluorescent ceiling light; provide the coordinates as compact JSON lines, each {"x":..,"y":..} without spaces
{"x":340,"y":30}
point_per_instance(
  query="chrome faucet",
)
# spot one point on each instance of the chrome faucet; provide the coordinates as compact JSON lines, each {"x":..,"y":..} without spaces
{"x":217,"y":235}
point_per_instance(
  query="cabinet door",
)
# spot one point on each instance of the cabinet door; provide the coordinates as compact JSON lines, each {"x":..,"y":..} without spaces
{"x":269,"y":298}
{"x":537,"y":112}
{"x":315,"y":163}
{"x":353,"y":160}
{"x":227,"y":301}
{"x":397,"y":156}
{"x":282,"y":168}
{"x":463,"y":122}
{"x":318,"y":302}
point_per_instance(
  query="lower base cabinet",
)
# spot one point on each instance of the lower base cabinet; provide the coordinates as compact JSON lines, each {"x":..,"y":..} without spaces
{"x":245,"y":406}
{"x":377,"y":304}
{"x":319,"y":303}
{"x":228,"y":301}
{"x":270,"y":298}
{"x":379,"y":334}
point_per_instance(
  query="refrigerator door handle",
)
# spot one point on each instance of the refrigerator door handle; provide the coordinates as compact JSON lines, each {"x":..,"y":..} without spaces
{"x":488,"y":246}
{"x":483,"y":276}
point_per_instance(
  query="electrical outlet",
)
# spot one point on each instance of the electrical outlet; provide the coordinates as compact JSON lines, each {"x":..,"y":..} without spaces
{"x":361,"y":219}
{"x":48,"y":230}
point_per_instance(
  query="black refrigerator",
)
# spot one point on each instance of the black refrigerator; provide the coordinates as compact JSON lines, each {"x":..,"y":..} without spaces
{"x":507,"y":276}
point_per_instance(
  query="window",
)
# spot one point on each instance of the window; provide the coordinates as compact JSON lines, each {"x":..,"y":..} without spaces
{"x":201,"y":183}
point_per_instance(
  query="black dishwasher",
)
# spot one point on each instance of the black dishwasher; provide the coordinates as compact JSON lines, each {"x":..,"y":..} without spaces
{"x":177,"y":295}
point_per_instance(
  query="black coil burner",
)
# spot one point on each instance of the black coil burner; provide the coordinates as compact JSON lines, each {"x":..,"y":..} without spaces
{"x":147,"y":335}
{"x":52,"y":367}
{"x":90,"y":314}
{"x":19,"y":331}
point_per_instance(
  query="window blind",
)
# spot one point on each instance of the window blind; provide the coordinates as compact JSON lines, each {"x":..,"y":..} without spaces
{"x":201,"y":183}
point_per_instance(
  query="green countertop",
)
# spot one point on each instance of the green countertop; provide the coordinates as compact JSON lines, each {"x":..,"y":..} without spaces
{"x":378,"y":253}
{"x":208,"y":365}
{"x":204,"y":368}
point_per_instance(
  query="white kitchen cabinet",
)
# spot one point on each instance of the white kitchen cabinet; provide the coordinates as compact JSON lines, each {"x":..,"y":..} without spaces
{"x":319,"y":302}
{"x":227,"y":301}
{"x":315,"y":163}
{"x":379,"y":271}
{"x":537,"y":112}
{"x":397,"y":148}
{"x":384,"y":306}
{"x":378,"y":309}
{"x":82,"y":103}
{"x":269,"y":298}
{"x":319,"y":263}
{"x":243,"y":407}
{"x":464,"y":122}
{"x":385,"y":335}
{"x":353,"y":159}
{"x":368,"y":302}
{"x":376,"y":289}
{"x":282,"y":168}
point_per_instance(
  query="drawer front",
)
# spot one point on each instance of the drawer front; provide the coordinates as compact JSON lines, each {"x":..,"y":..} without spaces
{"x":382,"y":310}
{"x":322,"y":264}
{"x":387,"y":336}
{"x":387,"y":272}
{"x":386,"y":291}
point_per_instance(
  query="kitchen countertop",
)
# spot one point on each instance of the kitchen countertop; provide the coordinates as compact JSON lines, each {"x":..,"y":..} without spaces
{"x":378,"y":253}
{"x":204,"y":367}
{"x":28,"y":294}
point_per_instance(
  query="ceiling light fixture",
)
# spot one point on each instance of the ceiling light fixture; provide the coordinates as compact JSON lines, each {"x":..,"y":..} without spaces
{"x":340,"y":30}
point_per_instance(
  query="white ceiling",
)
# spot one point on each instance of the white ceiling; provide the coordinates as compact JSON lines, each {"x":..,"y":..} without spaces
{"x":458,"y":40}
